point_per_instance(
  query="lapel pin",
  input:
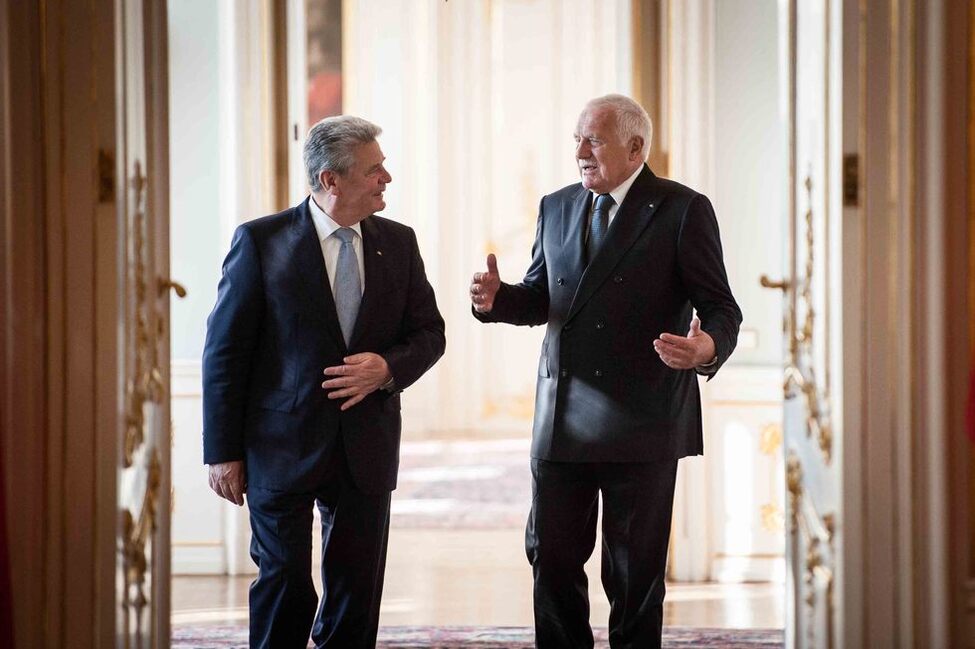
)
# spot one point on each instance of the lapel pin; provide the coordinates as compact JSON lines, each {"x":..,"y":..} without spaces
{"x":379,"y":252}
{"x":650,"y":206}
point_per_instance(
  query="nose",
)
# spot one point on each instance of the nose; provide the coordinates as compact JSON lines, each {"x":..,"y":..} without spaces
{"x":386,"y":177}
{"x":583,"y":150}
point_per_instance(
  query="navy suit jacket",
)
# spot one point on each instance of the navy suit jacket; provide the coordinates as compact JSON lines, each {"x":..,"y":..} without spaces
{"x":274,"y":330}
{"x":603,"y":394}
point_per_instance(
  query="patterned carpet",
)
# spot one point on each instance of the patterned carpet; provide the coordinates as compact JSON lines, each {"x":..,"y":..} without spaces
{"x":211,"y":637}
{"x":483,"y":484}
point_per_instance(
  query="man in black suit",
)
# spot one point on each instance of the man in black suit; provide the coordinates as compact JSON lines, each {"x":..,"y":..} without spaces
{"x":323,"y":316}
{"x":619,"y":260}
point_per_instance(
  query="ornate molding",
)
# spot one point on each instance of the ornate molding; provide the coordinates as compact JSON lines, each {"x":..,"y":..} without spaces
{"x":770,"y":438}
{"x":145,"y":388}
{"x":136,"y":535}
{"x":793,"y":483}
{"x":799,"y":371}
{"x":818,"y":532}
{"x":145,"y":385}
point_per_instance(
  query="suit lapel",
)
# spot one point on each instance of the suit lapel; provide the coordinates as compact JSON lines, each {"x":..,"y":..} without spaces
{"x":632,"y":218}
{"x":375,"y":270}
{"x":306,"y":255}
{"x":574,"y":218}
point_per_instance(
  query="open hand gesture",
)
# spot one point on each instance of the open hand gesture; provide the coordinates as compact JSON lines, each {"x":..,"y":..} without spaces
{"x":684,"y":353}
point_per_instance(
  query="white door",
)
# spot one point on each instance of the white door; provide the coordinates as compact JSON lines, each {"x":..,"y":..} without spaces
{"x":810,"y":321}
{"x":144,"y":466}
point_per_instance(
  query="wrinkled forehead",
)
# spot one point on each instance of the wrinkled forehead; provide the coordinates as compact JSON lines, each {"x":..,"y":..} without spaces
{"x":596,"y":120}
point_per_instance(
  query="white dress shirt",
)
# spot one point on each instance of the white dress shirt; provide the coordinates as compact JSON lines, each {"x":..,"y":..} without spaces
{"x":325,"y":226}
{"x":618,"y":195}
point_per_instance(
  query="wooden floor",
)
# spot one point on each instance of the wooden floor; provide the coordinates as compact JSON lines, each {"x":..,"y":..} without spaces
{"x":481,"y":577}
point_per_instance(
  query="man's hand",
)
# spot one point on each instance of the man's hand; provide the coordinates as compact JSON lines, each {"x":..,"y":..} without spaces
{"x":683,"y":353}
{"x":361,"y":374}
{"x":484,"y":286}
{"x":228,"y":481}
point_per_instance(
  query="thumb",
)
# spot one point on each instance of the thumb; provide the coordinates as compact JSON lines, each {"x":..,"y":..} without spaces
{"x":695,"y":327}
{"x":492,"y":263}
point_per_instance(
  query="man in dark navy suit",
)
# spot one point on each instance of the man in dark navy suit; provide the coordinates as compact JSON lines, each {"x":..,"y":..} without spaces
{"x":620,"y":260}
{"x":323,"y":316}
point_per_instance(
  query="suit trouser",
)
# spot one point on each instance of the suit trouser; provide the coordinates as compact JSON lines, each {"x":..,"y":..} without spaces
{"x":561,"y":535}
{"x":355,"y":528}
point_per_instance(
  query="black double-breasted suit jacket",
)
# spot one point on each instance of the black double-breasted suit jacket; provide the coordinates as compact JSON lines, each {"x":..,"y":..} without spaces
{"x":603,"y":393}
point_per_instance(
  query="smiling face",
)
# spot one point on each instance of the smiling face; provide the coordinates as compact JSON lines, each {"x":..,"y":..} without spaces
{"x":604,"y":160}
{"x":357,"y":193}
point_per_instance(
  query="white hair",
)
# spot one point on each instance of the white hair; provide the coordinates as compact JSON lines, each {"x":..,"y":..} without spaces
{"x":330,"y":145}
{"x":631,"y":119}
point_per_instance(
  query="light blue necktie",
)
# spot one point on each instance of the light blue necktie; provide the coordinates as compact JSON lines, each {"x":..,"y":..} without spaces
{"x":598,"y":225}
{"x":348,"y":286}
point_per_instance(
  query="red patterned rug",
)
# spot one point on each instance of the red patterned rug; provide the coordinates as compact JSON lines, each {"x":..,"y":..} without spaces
{"x":415,"y":637}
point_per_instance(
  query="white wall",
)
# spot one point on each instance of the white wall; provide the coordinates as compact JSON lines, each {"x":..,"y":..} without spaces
{"x":479,"y":101}
{"x":197,"y":248}
{"x":749,"y":157}
{"x":219,"y":176}
{"x":194,"y":171}
{"x":728,"y":141}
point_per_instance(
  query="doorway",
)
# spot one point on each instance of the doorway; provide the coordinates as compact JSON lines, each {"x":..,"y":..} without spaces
{"x":465,"y":486}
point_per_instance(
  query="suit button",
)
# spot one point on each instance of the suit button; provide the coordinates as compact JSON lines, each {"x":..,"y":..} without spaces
{"x":600,"y":325}
{"x":599,"y":372}
{"x":618,"y":279}
{"x":560,"y":281}
{"x":563,"y":373}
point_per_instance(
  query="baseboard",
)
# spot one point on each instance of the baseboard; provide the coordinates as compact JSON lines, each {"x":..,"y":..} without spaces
{"x":735,"y":570}
{"x":199,"y":560}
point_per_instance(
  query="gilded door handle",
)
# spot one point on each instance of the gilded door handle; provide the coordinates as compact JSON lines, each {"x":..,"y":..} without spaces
{"x":766,"y":282}
{"x":166,"y":284}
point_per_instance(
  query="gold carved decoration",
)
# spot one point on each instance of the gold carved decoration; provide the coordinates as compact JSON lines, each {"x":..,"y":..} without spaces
{"x":769,"y":442}
{"x":145,"y":387}
{"x":793,"y":483}
{"x":804,"y":521}
{"x":818,"y":425}
{"x":770,"y":438}
{"x":145,"y":384}
{"x":136,"y":535}
{"x":799,"y":374}
{"x":772,"y":518}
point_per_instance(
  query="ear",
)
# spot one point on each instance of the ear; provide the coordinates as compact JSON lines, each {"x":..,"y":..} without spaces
{"x":327,"y":179}
{"x":636,"y":147}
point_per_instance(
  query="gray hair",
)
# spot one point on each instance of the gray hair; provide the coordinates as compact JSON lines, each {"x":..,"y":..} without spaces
{"x":631,"y":119}
{"x":330,"y":145}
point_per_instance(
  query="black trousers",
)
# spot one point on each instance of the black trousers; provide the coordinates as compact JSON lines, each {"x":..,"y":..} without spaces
{"x":355,"y":530}
{"x":561,"y":535}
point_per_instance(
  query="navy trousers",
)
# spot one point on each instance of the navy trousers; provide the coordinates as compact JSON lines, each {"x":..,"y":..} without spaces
{"x":355,"y":530}
{"x":561,"y":535}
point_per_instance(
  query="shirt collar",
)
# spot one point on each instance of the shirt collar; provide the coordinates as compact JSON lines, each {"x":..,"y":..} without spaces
{"x":620,"y":192}
{"x":324,"y":225}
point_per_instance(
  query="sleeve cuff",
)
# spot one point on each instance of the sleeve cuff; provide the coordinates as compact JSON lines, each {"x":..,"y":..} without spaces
{"x":709,"y":367}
